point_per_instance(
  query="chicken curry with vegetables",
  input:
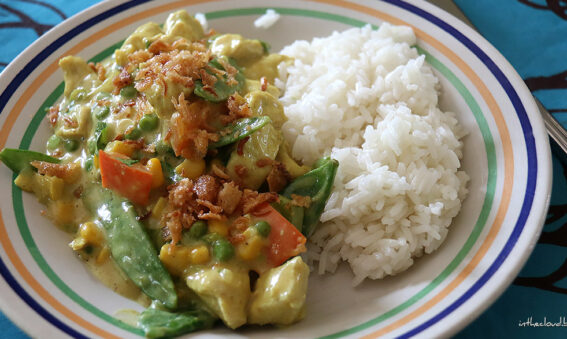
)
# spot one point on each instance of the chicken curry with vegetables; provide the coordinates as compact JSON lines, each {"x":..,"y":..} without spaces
{"x":168,"y":165}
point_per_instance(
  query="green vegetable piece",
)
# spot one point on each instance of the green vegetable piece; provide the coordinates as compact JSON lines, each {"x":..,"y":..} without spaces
{"x":129,"y":162}
{"x":292,"y":213}
{"x":263,"y":228}
{"x":221,"y":90}
{"x":158,"y":323}
{"x":71,"y":145}
{"x":128,"y":92}
{"x":89,"y":164}
{"x":19,"y":159}
{"x":198,"y":229}
{"x":169,"y":172}
{"x":53,"y":142}
{"x":316,"y":184}
{"x":130,"y":245}
{"x":101,"y":112}
{"x":149,"y":122}
{"x":101,"y":137}
{"x":266,"y":46}
{"x":164,"y":148}
{"x":239,"y":130}
{"x":222,"y":249}
{"x":134,"y":134}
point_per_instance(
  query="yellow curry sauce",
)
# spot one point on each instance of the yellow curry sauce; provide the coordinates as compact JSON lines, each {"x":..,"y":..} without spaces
{"x":182,"y":127}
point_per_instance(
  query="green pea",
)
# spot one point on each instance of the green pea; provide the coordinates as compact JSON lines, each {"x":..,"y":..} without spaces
{"x":223,"y":249}
{"x":149,"y":122}
{"x":71,"y":145}
{"x":263,"y":228}
{"x":134,"y":134}
{"x":198,"y":229}
{"x":53,"y":142}
{"x":128,"y":92}
{"x":163,"y":147}
{"x":101,"y":112}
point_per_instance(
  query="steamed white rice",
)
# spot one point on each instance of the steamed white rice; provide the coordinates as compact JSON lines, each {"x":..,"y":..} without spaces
{"x":368,"y":99}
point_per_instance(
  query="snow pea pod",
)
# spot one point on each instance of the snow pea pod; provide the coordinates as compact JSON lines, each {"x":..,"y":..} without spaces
{"x":18,"y":159}
{"x":157,"y":323}
{"x":130,"y":245}
{"x":316,"y":184}
{"x":292,"y":213}
{"x":222,"y":88}
{"x":239,"y":130}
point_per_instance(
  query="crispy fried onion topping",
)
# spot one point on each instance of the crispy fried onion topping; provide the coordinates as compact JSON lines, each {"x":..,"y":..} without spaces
{"x":207,"y":198}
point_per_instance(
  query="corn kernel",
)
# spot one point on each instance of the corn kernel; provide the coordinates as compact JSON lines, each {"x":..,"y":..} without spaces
{"x":218,"y":226}
{"x":78,"y":243}
{"x":250,"y":249}
{"x":90,"y":232}
{"x":154,"y":167}
{"x":191,"y":169}
{"x":158,"y":208}
{"x":95,"y":161}
{"x":175,"y":259}
{"x":200,"y":254}
{"x":122,"y":147}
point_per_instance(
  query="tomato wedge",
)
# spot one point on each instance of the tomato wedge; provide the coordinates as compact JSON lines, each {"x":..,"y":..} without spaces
{"x":132,"y":182}
{"x":286,"y":241}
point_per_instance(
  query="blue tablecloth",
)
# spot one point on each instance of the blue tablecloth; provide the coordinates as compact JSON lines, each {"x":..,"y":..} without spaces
{"x":532,"y":35}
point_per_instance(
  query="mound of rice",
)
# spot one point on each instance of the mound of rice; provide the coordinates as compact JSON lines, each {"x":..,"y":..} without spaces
{"x":368,"y":99}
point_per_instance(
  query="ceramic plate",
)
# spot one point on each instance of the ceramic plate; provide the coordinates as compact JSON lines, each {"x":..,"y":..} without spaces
{"x":48,"y":292}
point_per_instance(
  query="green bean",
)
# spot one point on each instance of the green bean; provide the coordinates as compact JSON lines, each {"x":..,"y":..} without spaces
{"x":158,"y":323}
{"x":316,"y":184}
{"x":149,"y":122}
{"x":19,"y":159}
{"x":263,"y":228}
{"x":130,"y":245}
{"x":222,"y":89}
{"x":239,"y":130}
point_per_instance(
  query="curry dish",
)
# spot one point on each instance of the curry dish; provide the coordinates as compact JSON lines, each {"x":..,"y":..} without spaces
{"x":168,"y":166}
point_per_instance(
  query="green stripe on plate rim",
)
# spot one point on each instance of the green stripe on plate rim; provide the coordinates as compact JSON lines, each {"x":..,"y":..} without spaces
{"x":445,"y":71}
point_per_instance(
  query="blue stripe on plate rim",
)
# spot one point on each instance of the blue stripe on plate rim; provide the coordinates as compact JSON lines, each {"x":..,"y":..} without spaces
{"x":476,"y":50}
